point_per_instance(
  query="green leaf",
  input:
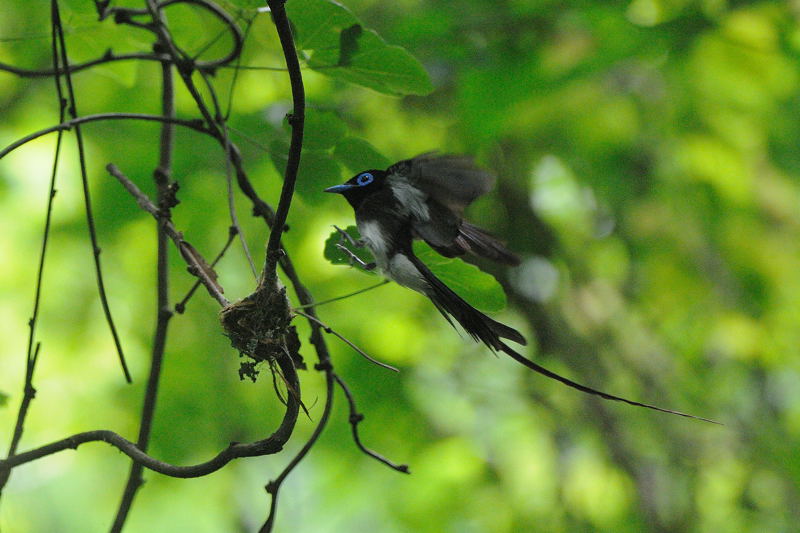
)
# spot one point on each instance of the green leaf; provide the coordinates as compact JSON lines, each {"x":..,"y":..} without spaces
{"x":3,"y":399}
{"x":382,"y":67}
{"x":341,"y":48}
{"x":356,"y":155}
{"x":323,"y":129}
{"x":336,"y":256}
{"x":317,"y":171}
{"x":318,"y":23}
{"x":478,"y":288}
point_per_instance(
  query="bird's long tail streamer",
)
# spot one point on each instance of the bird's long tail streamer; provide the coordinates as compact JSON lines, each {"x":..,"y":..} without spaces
{"x":485,"y":329}
{"x":583,"y":388}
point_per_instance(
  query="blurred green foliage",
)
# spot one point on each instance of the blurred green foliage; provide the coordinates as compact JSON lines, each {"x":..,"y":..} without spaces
{"x":649,"y":176}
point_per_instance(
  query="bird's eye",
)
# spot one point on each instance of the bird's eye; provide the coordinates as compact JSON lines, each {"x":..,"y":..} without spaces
{"x":364,"y":179}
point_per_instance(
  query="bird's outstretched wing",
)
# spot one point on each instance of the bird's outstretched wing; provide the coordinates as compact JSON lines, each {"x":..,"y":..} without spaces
{"x":454,"y":181}
{"x":478,"y":241}
{"x":436,"y":188}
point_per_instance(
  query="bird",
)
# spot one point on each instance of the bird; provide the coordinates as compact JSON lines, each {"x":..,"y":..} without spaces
{"x":424,"y":198}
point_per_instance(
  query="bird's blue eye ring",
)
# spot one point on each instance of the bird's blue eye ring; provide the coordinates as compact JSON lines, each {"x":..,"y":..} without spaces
{"x":364,"y":179}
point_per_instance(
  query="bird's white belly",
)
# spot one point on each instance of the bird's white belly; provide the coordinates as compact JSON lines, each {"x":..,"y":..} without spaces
{"x":398,"y":268}
{"x":403,"y":271}
{"x":373,"y":237}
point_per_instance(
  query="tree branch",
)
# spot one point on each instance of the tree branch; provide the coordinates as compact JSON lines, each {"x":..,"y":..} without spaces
{"x":196,"y":125}
{"x":165,"y":201}
{"x":270,"y":445}
{"x":347,"y":341}
{"x":87,"y":201}
{"x":180,"y":307}
{"x":297,"y":121}
{"x":355,"y":419}
{"x":197,"y":265}
{"x":273,"y":487}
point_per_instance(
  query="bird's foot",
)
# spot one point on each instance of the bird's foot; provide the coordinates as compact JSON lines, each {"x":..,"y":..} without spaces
{"x":349,"y":238}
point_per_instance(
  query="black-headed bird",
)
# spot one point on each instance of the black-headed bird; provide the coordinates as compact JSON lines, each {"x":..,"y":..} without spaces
{"x":424,"y":198}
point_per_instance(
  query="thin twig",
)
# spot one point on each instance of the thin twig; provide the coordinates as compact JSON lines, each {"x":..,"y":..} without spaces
{"x":182,"y":62}
{"x":226,"y":138}
{"x":355,"y":419}
{"x":180,"y":307}
{"x":270,"y":445}
{"x":297,"y":121}
{"x":163,"y":313}
{"x":196,"y":125}
{"x":197,"y":265}
{"x":32,"y":354}
{"x":77,"y":67}
{"x":273,"y":487}
{"x":226,"y":144}
{"x":361,"y":352}
{"x":87,"y":201}
{"x":256,"y":67}
{"x":228,"y":177}
{"x":29,"y":393}
{"x":348,"y":295}
{"x":110,"y":57}
{"x":215,"y":10}
{"x":237,"y":66}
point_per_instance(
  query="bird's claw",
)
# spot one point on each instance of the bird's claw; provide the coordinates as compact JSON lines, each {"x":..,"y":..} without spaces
{"x":354,"y":259}
{"x":349,"y":238}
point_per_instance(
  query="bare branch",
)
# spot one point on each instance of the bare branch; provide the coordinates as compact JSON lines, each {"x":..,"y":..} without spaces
{"x":197,"y":265}
{"x":108,"y":57}
{"x":32,"y":355}
{"x":87,"y":201}
{"x":297,"y":121}
{"x":226,"y":144}
{"x":180,"y":307}
{"x":165,"y":199}
{"x":221,"y":14}
{"x":347,"y":341}
{"x":196,"y":125}
{"x":270,"y":445}
{"x":273,"y":487}
{"x":29,"y":393}
{"x":345,"y":296}
{"x":355,"y":419}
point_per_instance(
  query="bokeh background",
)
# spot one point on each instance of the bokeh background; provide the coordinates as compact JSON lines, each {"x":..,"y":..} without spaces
{"x":649,"y":176}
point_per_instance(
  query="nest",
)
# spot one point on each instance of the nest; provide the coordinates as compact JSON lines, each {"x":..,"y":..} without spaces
{"x":258,"y":326}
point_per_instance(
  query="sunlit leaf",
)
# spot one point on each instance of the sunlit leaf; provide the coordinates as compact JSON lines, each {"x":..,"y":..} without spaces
{"x":340,"y":47}
{"x":337,"y":256}
{"x":477,"y":287}
{"x":385,"y":68}
{"x":323,"y":129}
{"x":318,"y":23}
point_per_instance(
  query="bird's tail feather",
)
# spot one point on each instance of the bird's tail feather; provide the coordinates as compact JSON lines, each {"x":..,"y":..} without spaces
{"x":583,"y":388}
{"x":478,"y":241}
{"x":479,"y":326}
{"x":484,"y":329}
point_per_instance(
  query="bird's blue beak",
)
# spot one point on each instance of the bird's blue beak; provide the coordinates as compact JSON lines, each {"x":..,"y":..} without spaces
{"x":340,"y":188}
